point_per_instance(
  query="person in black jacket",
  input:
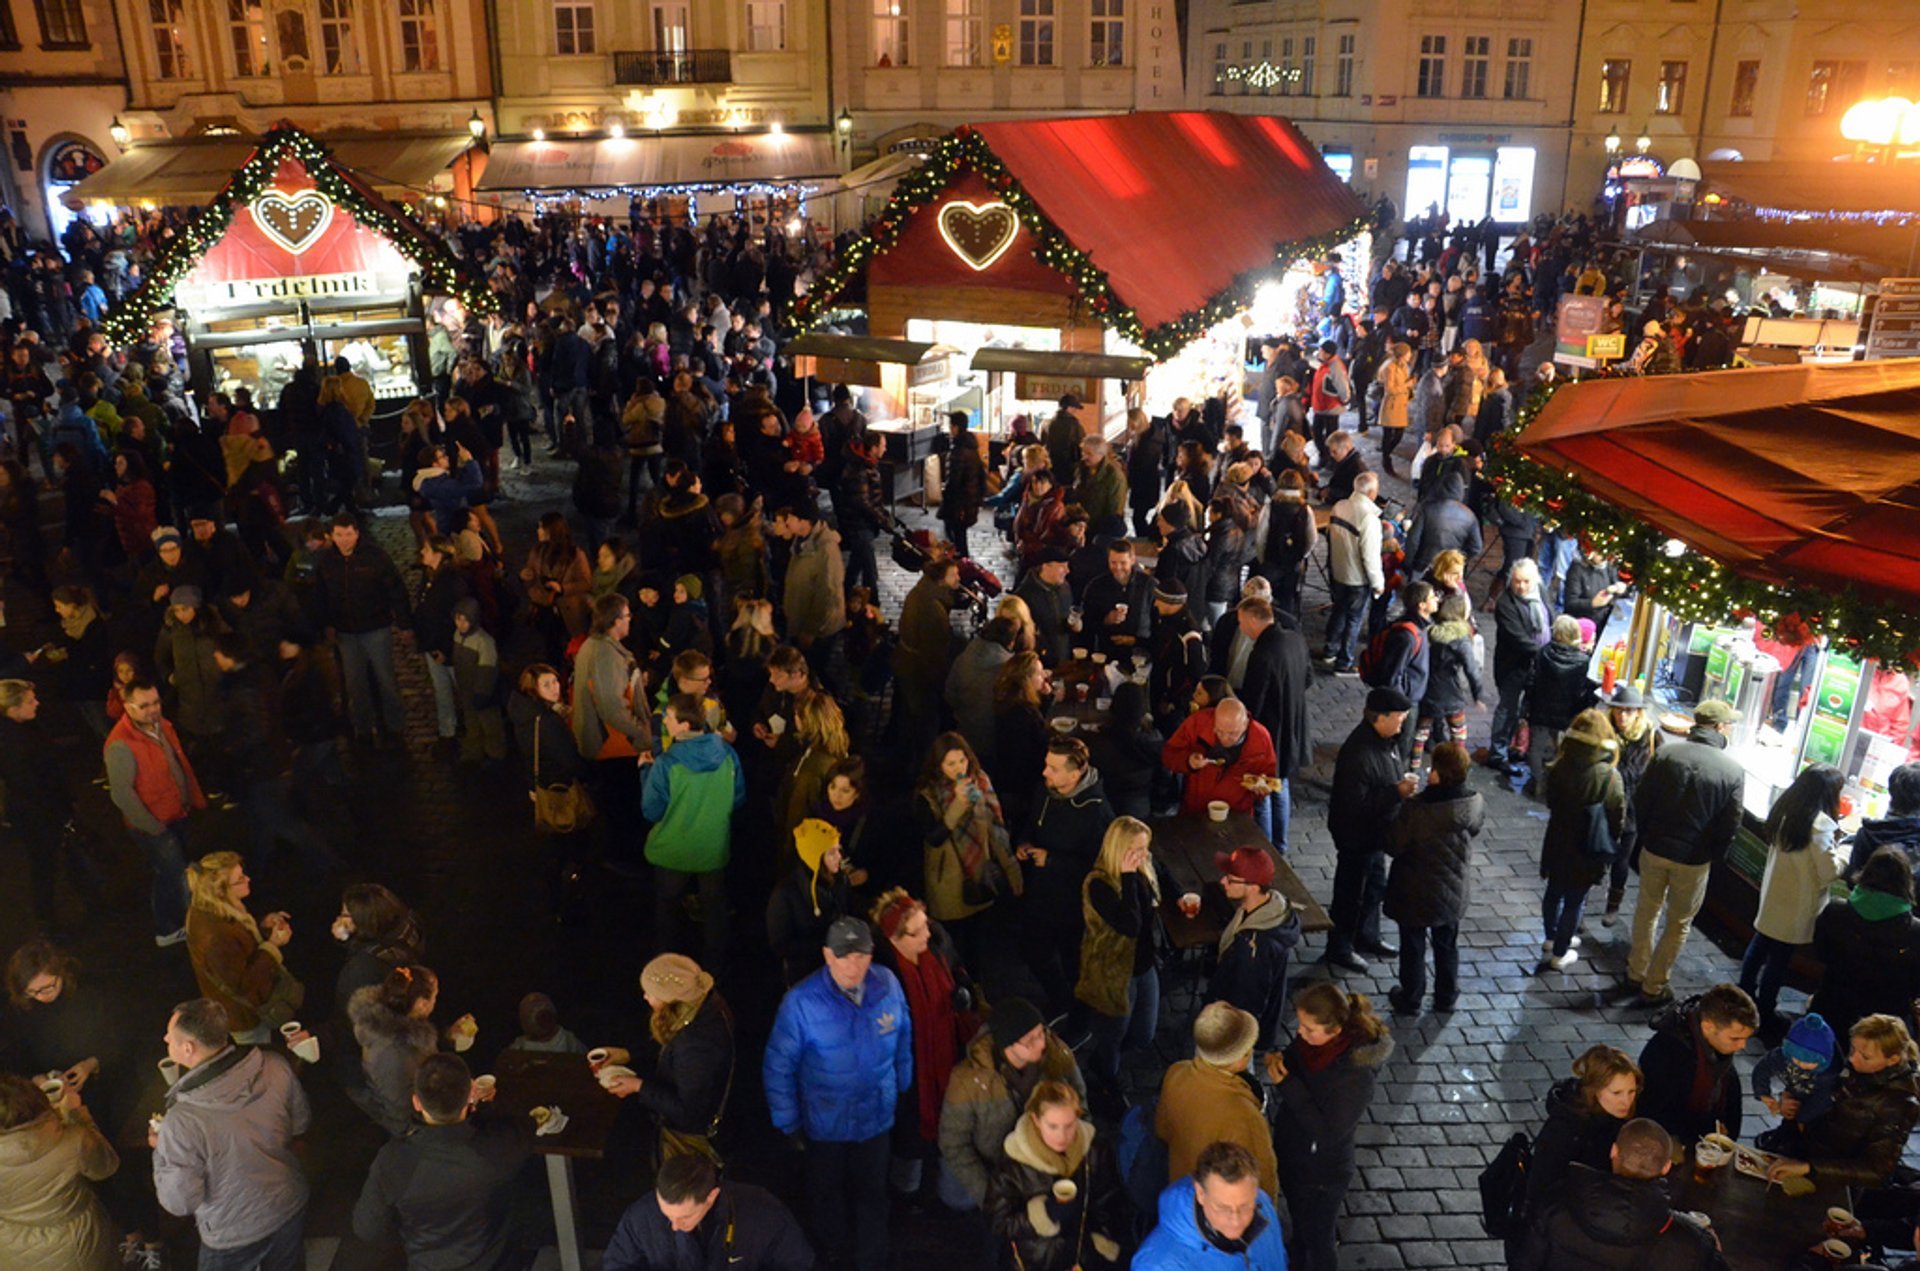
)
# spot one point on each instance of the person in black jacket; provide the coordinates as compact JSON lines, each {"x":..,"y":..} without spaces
{"x":1183,"y":555}
{"x":1585,"y":1114}
{"x":39,"y":806}
{"x":719,"y":1226}
{"x":687,"y":1092}
{"x":1257,"y":943}
{"x":433,"y":628}
{"x":1521,"y":626}
{"x":1406,"y":662}
{"x":1051,"y":1144}
{"x":1588,"y":589}
{"x":1179,"y":657}
{"x":1127,"y":753}
{"x":1229,"y":546}
{"x":1117,"y":609}
{"x":258,"y":760}
{"x":1274,"y":672}
{"x":861,"y":503}
{"x":1900,"y":827}
{"x":1691,"y":1087}
{"x":1369,"y":783}
{"x":964,"y":482}
{"x":1146,"y":461}
{"x":1869,"y":945}
{"x":1058,"y":843}
{"x":1427,"y":891}
{"x":1291,"y":535}
{"x":1557,"y":690}
{"x":359,"y":597}
{"x":1623,"y":1218}
{"x":814,"y":894}
{"x":444,"y":1188}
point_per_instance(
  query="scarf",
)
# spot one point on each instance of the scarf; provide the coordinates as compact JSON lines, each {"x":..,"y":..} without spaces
{"x":234,"y":913}
{"x":1878,"y":906}
{"x":1319,"y":1058}
{"x":974,"y":836}
{"x":936,"y":1045}
{"x":1708,"y":1064}
{"x":75,"y":624}
{"x":1024,"y":1145}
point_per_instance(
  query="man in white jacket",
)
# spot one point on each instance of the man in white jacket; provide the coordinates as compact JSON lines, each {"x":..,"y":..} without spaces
{"x":1353,"y":550}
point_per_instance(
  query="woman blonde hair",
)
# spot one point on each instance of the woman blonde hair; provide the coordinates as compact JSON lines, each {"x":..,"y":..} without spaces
{"x":1123,"y":835}
{"x":1890,"y":1035}
{"x":1451,"y":561}
{"x":1015,"y":608}
{"x":1180,"y":492}
{"x":1054,"y":1094}
{"x":209,"y":888}
{"x":817,"y":722}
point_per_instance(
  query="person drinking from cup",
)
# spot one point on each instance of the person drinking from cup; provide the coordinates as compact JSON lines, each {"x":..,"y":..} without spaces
{"x":1055,"y":1195}
{"x":235,"y":964}
{"x":50,"y":1220}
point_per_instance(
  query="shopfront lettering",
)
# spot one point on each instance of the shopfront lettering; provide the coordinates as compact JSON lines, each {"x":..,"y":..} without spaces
{"x":248,"y":291}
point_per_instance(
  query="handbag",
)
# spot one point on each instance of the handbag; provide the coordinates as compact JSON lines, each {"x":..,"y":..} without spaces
{"x":1598,"y":840}
{"x":557,"y":809}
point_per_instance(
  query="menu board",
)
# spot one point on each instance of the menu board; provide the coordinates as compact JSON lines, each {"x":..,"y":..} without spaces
{"x":1896,"y":320}
{"x":1834,"y":698}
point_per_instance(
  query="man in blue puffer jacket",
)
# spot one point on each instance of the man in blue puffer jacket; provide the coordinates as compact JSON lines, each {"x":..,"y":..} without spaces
{"x":1216,"y":1219}
{"x":840,"y":1056}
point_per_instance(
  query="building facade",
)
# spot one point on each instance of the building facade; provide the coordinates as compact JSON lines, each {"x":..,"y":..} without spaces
{"x":1408,"y":98}
{"x":62,"y":82}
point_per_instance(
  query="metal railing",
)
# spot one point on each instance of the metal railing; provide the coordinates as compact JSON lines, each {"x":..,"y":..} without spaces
{"x":691,"y":66}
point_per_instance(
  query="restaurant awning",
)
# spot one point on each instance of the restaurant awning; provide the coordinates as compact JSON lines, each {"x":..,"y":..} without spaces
{"x":1807,"y":474}
{"x":191,"y":171}
{"x":1816,"y":185}
{"x":650,"y":162}
{"x":1092,"y":366}
{"x":858,"y":348}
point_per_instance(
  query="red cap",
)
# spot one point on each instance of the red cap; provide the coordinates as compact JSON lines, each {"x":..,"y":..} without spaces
{"x":1248,"y":864}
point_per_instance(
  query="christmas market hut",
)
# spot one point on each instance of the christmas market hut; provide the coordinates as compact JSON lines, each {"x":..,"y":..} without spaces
{"x":296,"y":253}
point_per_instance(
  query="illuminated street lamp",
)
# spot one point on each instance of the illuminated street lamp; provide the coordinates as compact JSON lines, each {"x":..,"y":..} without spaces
{"x":1613,"y":142}
{"x":1643,"y":142}
{"x":1882,"y":122}
{"x":476,"y":126}
{"x":120,"y":133}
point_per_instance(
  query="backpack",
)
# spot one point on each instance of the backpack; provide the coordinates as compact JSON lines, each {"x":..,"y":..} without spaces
{"x":1503,"y":1189}
{"x":1373,"y":658}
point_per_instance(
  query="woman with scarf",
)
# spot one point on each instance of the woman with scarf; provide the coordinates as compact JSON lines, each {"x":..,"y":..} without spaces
{"x":1586,"y":808}
{"x":808,"y":900}
{"x":233,"y":962}
{"x":687,"y":1092}
{"x":1870,"y":946}
{"x":1022,"y":689}
{"x":558,"y":580}
{"x":1055,"y":1196}
{"x":940,"y":1004}
{"x":968,"y":860}
{"x":81,"y":651}
{"x":1119,"y":977}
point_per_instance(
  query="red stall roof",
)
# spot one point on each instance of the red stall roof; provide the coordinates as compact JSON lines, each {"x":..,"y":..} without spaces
{"x":1175,"y":205}
{"x":1806,"y":474}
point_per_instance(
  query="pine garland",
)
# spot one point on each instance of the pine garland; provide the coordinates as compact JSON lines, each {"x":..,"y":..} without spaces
{"x":441,"y":272}
{"x":967,"y":150}
{"x":1693,"y":586}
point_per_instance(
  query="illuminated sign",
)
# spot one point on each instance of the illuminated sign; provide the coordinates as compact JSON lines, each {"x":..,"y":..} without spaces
{"x":1603,"y":348}
{"x":978,"y":233}
{"x":295,"y":221}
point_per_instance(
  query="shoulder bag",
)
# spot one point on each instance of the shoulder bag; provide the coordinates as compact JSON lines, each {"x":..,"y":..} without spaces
{"x":557,"y":809}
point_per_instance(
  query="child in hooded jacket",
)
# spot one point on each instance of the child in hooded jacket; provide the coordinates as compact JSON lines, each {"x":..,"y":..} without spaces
{"x":1454,"y":682}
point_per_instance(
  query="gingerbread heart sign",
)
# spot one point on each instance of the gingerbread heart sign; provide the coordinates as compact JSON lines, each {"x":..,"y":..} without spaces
{"x":295,"y":221}
{"x":978,"y":233}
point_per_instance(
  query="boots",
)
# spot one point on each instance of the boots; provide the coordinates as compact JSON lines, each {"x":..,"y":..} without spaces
{"x":1614,"y":896}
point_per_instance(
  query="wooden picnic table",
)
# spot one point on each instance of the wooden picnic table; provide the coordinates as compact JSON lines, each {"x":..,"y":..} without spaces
{"x":529,"y":1079}
{"x":1760,"y":1228}
{"x":1184,"y":846}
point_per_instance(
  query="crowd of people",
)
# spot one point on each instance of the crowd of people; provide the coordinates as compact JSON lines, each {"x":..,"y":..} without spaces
{"x":696,"y":675}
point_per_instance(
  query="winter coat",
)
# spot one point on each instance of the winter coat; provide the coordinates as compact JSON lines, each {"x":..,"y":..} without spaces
{"x":1603,"y":1220}
{"x":816,"y":591}
{"x":1453,"y":675}
{"x":1671,"y":1060}
{"x":1050,"y":607}
{"x":443,"y":1190}
{"x":690,"y":1082}
{"x":50,"y":1220}
{"x":983,"y":1104}
{"x":1688,"y":804}
{"x":359,"y":593}
{"x":602,"y":671}
{"x":1102,"y":491}
{"x":942,"y":870}
{"x":1902,"y":832}
{"x":1366,"y":795}
{"x":1069,"y":828}
{"x":1584,"y":580}
{"x":1178,"y":1244}
{"x":1221,"y":781}
{"x":1396,"y":381}
{"x":690,"y":795}
{"x":1255,"y":950}
{"x":183,"y":655}
{"x":1048,"y":1235}
{"x":1279,"y":673}
{"x":746,"y":1230}
{"x":834,"y":1070}
{"x":433,"y":616}
{"x":1316,"y":1113}
{"x":925,"y":651}
{"x":1635,"y":755}
{"x":1573,"y":1135}
{"x":1117,"y":943}
{"x":1201,"y":1104}
{"x":969,"y":693}
{"x":225,"y":1152}
{"x":1444,"y":524}
{"x":1406,"y":657}
{"x":1432,"y":847}
{"x":862,"y":499}
{"x":1183,"y":558}
{"x":235,"y":969}
{"x":1872,"y":964}
{"x":391,"y":1048}
{"x":1229,"y":549}
{"x":1521,"y":627}
{"x":1559,"y":688}
{"x":964,"y":484}
{"x":1795,"y":887}
{"x":1580,"y":777}
{"x":1859,"y":1139}
{"x":560,"y":763}
{"x":799,"y":912}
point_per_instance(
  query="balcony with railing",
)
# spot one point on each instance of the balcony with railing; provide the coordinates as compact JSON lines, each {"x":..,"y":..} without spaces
{"x":689,"y":66}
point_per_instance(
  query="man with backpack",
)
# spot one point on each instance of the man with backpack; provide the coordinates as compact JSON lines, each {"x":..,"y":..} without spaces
{"x":1400,"y":656}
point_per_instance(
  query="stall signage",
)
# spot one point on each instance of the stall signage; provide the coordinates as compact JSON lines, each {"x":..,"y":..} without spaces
{"x":978,"y":233}
{"x":251,"y":291}
{"x":1603,"y":348}
{"x":1833,"y":702}
{"x":1896,"y":320}
{"x":1051,"y":388}
{"x":1577,"y":318}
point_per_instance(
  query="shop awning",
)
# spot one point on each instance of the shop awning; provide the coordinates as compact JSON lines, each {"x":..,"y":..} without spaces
{"x":1807,"y":474}
{"x":1846,"y":253}
{"x":606,"y":164}
{"x":858,"y":348}
{"x":190,"y":172}
{"x":1092,"y":366}
{"x":1816,"y":185}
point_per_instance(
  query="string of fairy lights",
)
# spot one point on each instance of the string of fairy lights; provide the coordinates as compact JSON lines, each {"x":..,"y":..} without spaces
{"x":440,"y":271}
{"x":967,"y":150}
{"x":1691,"y":584}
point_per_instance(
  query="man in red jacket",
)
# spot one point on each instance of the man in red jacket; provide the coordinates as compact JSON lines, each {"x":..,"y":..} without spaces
{"x":152,"y":783}
{"x":1218,"y":749}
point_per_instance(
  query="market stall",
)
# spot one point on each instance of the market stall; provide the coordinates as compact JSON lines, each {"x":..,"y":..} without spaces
{"x":1070,"y":238}
{"x":1767,"y":522}
{"x":294,"y":254}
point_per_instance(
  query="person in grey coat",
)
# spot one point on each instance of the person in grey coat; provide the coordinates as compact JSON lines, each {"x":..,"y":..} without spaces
{"x":969,"y":690}
{"x":1431,"y":842}
{"x":223,"y":1152}
{"x":610,"y":723}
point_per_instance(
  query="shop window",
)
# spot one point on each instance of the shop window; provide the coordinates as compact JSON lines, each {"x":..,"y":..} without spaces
{"x":171,"y":56}
{"x":1036,"y":32}
{"x":572,"y":27}
{"x":1286,"y":66}
{"x":889,"y":33}
{"x":1834,"y":86}
{"x":1746,"y":86}
{"x":1673,"y":89}
{"x":766,"y":26}
{"x":1108,"y":33}
{"x":1616,"y":75}
{"x":1519,"y":68}
{"x":9,"y":34}
{"x":1220,"y":66}
{"x":339,"y":45}
{"x":247,"y":29}
{"x":1476,"y":65}
{"x":419,"y":36}
{"x":62,"y":24}
{"x":1308,"y":45}
{"x":1343,"y":65}
{"x":1432,"y":79}
{"x":290,"y":37}
{"x":963,"y":32}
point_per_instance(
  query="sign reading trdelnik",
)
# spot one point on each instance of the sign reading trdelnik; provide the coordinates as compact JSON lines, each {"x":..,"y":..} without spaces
{"x":293,"y":244}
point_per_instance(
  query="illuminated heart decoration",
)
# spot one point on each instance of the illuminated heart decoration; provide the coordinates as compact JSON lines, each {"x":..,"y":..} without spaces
{"x":978,"y":233}
{"x":295,"y":221}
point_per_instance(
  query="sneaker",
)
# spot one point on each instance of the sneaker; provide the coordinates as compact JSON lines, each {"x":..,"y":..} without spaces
{"x":1564,"y":961}
{"x":1574,"y":943}
{"x":1609,"y":918}
{"x":167,"y":941}
{"x":1346,"y":672}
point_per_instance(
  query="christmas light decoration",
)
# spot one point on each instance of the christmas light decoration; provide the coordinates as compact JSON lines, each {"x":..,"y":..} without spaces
{"x":1692,"y":585}
{"x":441,"y":273}
{"x":965,"y":151}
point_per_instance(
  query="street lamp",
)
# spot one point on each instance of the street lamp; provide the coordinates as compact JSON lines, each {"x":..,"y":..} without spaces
{"x":1612,"y":142}
{"x":616,"y":130}
{"x":1643,"y":142}
{"x":120,"y":133}
{"x":1883,"y":122}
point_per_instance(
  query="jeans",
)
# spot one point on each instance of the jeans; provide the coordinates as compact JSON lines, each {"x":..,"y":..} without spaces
{"x":1786,"y":686}
{"x":445,"y":711}
{"x":845,"y":1178}
{"x":862,"y":569}
{"x":1560,"y":912}
{"x":1506,"y":714}
{"x":1681,"y":889}
{"x":1556,"y":554}
{"x":1274,"y":816}
{"x":1343,"y":624}
{"x":1316,"y":1223}
{"x":366,"y":664}
{"x":1542,"y":743}
{"x":169,"y":860}
{"x":1446,"y":963}
{"x":1764,"y":969}
{"x":284,"y":1250}
{"x":1114,"y":1035}
{"x":668,"y":887}
{"x":1359,"y":885}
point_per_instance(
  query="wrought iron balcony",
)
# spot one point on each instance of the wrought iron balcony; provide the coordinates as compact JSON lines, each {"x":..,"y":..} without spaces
{"x":690,"y":66}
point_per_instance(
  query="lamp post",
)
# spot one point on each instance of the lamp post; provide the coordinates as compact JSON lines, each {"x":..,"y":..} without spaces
{"x":1612,"y":143}
{"x":121,"y":134}
{"x":1643,"y":142}
{"x":477,"y":127}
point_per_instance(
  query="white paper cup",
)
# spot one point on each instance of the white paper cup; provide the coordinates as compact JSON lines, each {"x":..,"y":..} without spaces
{"x":308,"y":1048}
{"x":1065,"y":1189}
{"x":776,"y":724}
{"x":169,"y":1071}
{"x":1217,"y":810}
{"x":54,"y":1088}
{"x":1099,"y":659}
{"x":1080,"y":653}
{"x":1838,"y":1217}
{"x":483,"y":1087}
{"x":288,"y":1029}
{"x":597,"y":1058}
{"x":1837,"y":1250}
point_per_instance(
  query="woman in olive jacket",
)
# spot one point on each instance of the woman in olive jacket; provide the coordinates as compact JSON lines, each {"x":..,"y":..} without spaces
{"x":1582,"y":776}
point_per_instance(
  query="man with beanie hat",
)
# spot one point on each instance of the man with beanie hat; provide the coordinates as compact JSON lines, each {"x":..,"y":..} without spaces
{"x":1370,"y":781}
{"x":1258,"y":941}
{"x":839,"y":1058}
{"x":1179,"y":654}
{"x":989,"y":1087}
{"x":1183,"y":556}
{"x":1213,"y":1098}
{"x":1796,"y":1082}
{"x":1117,"y":609}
